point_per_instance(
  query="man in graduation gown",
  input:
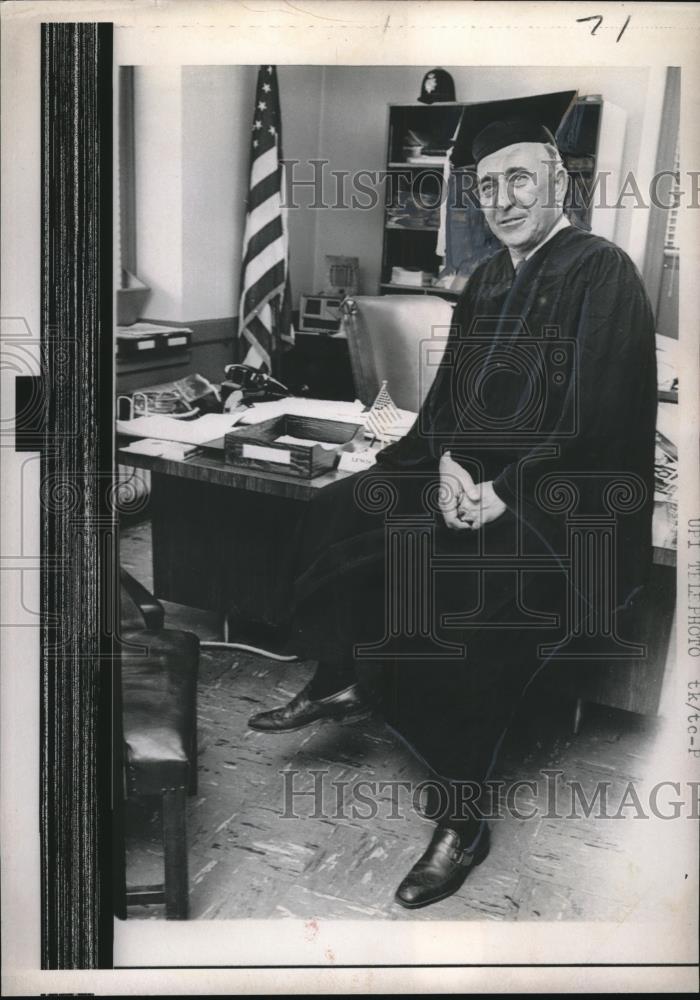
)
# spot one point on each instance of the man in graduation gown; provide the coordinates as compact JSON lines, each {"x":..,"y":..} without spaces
{"x":541,"y":415}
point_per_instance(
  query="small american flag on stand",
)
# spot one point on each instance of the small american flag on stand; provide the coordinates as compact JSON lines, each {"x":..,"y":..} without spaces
{"x":264,"y":316}
{"x":383,"y":417}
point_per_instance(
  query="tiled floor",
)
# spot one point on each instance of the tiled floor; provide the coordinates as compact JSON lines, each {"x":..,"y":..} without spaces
{"x":247,"y":859}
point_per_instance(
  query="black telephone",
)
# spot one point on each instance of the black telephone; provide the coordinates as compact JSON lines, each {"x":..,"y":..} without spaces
{"x":251,"y":385}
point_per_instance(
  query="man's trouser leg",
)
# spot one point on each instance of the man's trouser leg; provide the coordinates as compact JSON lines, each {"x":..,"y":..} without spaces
{"x":455,"y":717}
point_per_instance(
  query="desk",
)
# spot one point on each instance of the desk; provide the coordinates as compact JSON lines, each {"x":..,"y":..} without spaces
{"x":222,"y":535}
{"x":223,"y":542}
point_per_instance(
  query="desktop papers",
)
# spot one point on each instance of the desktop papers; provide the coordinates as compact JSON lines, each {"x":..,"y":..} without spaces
{"x":212,"y":426}
{"x":204,"y":428}
{"x":327,"y":409}
{"x":306,"y":442}
{"x":158,"y":448}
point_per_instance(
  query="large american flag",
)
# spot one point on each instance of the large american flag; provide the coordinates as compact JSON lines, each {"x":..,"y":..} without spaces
{"x":264,"y":316}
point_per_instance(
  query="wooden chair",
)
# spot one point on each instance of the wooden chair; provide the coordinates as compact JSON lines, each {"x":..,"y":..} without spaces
{"x":159,"y":711}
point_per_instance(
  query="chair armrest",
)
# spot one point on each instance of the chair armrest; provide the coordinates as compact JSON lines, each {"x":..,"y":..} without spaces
{"x":151,"y":609}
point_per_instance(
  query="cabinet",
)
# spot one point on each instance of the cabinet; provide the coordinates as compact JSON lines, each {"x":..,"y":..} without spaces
{"x":422,"y":196}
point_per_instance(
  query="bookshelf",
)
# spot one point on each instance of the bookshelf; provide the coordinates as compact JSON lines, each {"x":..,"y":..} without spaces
{"x":418,"y":139}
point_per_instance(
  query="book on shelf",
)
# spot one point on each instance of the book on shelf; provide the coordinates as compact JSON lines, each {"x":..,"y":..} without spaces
{"x":145,"y":329}
{"x":429,"y":161}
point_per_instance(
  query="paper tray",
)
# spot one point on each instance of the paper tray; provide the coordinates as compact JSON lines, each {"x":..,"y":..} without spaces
{"x":256,"y":447}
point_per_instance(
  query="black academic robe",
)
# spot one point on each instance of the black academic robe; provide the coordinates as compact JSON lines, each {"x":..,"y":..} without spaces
{"x":547,"y":387}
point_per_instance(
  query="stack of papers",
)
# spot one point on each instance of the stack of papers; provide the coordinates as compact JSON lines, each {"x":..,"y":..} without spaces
{"x":667,"y":357}
{"x":326,"y":409}
{"x":407,"y":276}
{"x":144,"y":329}
{"x":161,"y":449}
{"x":204,"y":428}
{"x":306,"y":442}
{"x":667,"y":423}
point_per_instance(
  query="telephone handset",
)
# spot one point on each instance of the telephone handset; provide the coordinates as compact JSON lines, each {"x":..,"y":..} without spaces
{"x":249,"y":385}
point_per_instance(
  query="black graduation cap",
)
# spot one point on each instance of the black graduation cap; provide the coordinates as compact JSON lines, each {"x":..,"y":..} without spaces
{"x":530,"y":114}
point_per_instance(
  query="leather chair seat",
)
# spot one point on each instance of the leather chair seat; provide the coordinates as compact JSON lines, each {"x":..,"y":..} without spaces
{"x":158,"y":669}
{"x":159,"y":679}
{"x":388,"y":339}
{"x":138,"y":607}
{"x":131,"y":617}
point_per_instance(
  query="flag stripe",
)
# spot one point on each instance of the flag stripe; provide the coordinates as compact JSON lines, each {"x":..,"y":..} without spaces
{"x":260,"y":331}
{"x":265,"y":260}
{"x":256,"y":243}
{"x":258,"y":336}
{"x":383,"y":415}
{"x":264,"y":166}
{"x":262,"y":214}
{"x":268,"y":187}
{"x":270,"y":283}
{"x":265,"y":301}
{"x":262,"y":291}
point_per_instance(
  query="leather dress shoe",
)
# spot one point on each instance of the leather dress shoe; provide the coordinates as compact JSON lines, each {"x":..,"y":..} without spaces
{"x":343,"y":706}
{"x":442,"y":869}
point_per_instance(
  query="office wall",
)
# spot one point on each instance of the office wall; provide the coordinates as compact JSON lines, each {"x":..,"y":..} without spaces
{"x":158,"y":183}
{"x":192,"y":141}
{"x":301,"y":100}
{"x":217,"y":104}
{"x":354,"y":135}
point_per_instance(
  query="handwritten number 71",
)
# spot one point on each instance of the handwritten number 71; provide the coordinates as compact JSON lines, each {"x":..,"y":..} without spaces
{"x":598,"y":18}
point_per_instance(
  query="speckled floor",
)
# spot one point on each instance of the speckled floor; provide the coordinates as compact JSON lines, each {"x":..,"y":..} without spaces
{"x":249,"y":860}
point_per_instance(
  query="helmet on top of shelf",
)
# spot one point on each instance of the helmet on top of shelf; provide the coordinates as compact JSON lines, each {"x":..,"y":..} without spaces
{"x":437,"y":85}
